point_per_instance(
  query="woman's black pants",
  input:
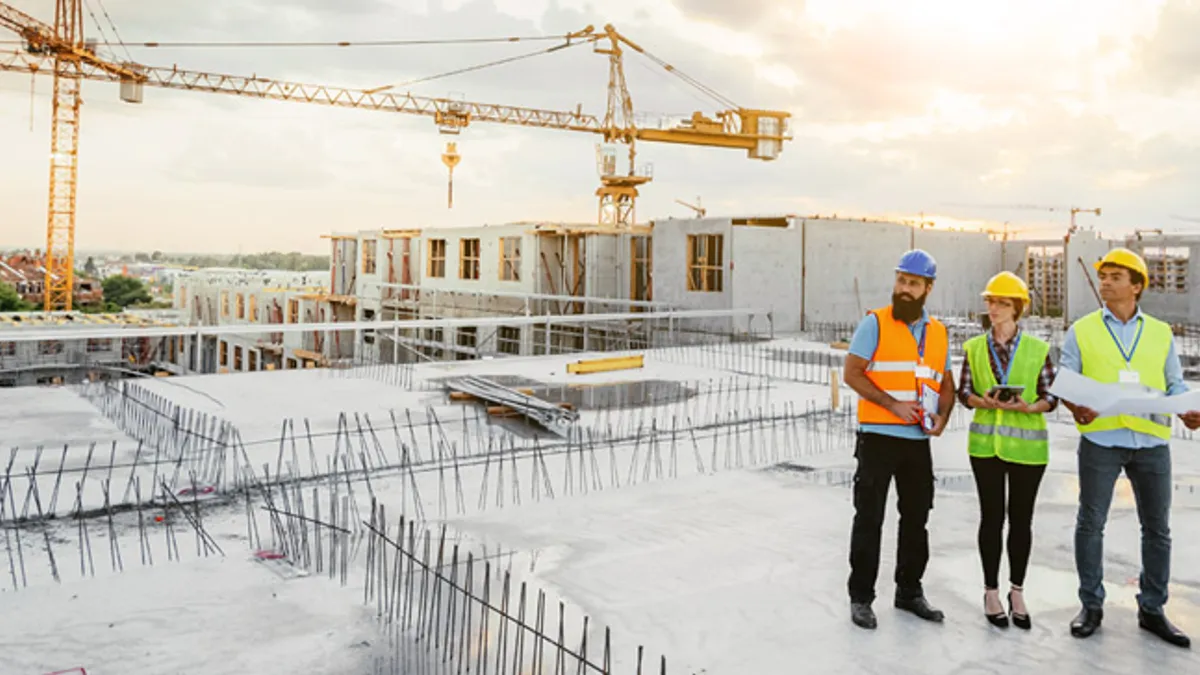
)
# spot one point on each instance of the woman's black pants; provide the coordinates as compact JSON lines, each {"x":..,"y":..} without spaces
{"x":993,"y":478}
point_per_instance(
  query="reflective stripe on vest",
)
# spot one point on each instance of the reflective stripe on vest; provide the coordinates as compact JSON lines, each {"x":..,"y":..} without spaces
{"x":1012,"y":436}
{"x":1009,"y":432}
{"x":893,"y":366}
{"x":1103,"y":362}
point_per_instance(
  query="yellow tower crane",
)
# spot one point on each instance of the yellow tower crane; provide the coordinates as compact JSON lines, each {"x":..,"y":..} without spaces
{"x":62,"y":51}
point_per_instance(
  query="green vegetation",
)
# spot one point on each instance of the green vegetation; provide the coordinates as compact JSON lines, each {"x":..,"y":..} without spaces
{"x":122,"y":292}
{"x":10,"y":301}
{"x":272,"y":260}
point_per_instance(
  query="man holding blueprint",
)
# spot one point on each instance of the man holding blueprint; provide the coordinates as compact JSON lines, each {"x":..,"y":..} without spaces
{"x":1120,"y":376}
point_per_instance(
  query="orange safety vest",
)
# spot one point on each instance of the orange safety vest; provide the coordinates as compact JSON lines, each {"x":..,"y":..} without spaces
{"x":894,"y":365}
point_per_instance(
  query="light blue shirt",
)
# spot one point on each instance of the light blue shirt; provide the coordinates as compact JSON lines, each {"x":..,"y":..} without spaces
{"x":863,"y":344}
{"x":1126,"y":332}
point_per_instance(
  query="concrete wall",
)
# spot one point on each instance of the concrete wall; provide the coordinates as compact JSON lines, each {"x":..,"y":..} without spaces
{"x":489,"y":261}
{"x":346,"y":263}
{"x":607,"y":273}
{"x":966,"y":260}
{"x":670,"y":263}
{"x":766,"y":272}
{"x":670,"y":256}
{"x":821,"y":270}
{"x":1089,"y":247}
{"x":848,"y":267}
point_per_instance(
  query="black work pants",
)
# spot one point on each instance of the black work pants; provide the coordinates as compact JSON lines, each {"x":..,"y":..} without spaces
{"x":909,"y":461}
{"x":992,"y":476}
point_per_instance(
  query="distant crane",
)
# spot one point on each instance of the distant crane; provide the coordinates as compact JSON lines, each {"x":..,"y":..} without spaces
{"x":700,"y":210}
{"x":60,"y":49}
{"x":1035,"y":207}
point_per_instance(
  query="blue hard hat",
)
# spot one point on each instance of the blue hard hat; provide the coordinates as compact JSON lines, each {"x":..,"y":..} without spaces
{"x":918,"y":262}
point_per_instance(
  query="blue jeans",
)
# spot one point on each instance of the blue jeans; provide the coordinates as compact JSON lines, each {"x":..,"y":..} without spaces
{"x":1149,"y":473}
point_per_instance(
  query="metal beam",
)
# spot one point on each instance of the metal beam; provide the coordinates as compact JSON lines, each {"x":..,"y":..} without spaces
{"x":26,"y":335}
{"x":620,"y":302}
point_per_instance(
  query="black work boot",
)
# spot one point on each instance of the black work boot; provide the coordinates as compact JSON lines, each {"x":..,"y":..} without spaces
{"x":917,"y":604}
{"x":862,"y":615}
{"x":1086,"y":622}
{"x":1160,"y":626}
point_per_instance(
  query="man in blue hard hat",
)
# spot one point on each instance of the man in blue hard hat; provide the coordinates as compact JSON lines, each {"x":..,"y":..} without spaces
{"x":899,"y":364}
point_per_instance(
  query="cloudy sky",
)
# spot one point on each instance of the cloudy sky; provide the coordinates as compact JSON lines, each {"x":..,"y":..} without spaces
{"x":951,"y":108}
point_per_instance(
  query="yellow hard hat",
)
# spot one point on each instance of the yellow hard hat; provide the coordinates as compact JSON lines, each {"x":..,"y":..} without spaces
{"x":1007,"y":285}
{"x":1123,"y":257}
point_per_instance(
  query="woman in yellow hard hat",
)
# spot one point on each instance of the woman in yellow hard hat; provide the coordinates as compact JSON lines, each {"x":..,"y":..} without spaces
{"x":1005,"y":379}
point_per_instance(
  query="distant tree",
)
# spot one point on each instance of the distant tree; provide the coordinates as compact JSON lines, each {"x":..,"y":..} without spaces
{"x":89,"y":267}
{"x":11,"y":301}
{"x":124,"y":291}
{"x":104,"y":308}
{"x":141,"y":257}
{"x":157,"y":256}
{"x":270,"y":260}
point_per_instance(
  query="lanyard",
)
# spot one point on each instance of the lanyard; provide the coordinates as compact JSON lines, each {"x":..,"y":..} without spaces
{"x":1120,"y":346}
{"x":1012,"y":357}
{"x":921,"y":343}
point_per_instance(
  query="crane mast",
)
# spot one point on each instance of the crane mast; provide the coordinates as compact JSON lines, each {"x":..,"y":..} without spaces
{"x":59,"y":286}
{"x":617,"y":192}
{"x":63,"y":46}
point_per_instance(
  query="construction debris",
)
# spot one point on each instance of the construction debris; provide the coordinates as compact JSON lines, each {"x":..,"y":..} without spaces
{"x":554,"y":418}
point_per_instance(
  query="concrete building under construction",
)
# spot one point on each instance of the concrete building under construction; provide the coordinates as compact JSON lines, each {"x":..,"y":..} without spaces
{"x":95,"y":357}
{"x":514,"y":269}
{"x":233,"y":297}
{"x":532,"y":288}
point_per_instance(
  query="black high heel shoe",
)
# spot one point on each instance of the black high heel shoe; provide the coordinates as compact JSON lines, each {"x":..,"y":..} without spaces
{"x":999,"y":619}
{"x":1021,"y":621}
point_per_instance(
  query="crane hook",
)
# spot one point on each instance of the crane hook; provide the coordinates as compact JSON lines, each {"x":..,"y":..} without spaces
{"x":450,"y":158}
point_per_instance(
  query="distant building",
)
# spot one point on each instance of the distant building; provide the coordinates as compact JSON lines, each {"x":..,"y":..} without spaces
{"x":231,"y":297}
{"x":26,"y":272}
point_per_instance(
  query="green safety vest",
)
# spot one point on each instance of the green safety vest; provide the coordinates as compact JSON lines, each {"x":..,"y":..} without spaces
{"x":1012,"y":436}
{"x":1103,"y":362}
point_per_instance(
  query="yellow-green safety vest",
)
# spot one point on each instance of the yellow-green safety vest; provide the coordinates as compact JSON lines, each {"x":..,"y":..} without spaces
{"x":1103,"y":362}
{"x":1019,"y":437}
{"x":1012,"y":436}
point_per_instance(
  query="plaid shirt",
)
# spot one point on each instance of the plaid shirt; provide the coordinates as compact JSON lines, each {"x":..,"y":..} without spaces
{"x":1045,"y":378}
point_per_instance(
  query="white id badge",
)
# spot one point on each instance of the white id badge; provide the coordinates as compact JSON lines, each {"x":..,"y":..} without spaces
{"x":1130,"y":377}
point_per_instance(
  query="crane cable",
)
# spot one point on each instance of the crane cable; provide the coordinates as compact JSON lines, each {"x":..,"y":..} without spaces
{"x":112,"y":25}
{"x":338,"y":43}
{"x":716,"y":95}
{"x":95,"y":21}
{"x":497,"y":62}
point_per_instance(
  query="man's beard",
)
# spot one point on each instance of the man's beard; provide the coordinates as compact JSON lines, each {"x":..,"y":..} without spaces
{"x":905,"y":309}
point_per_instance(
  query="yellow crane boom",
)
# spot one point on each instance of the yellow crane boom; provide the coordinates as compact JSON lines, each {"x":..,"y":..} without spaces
{"x":445,"y":112}
{"x":60,"y":50}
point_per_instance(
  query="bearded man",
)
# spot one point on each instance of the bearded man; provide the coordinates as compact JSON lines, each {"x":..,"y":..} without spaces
{"x":899,"y":364}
